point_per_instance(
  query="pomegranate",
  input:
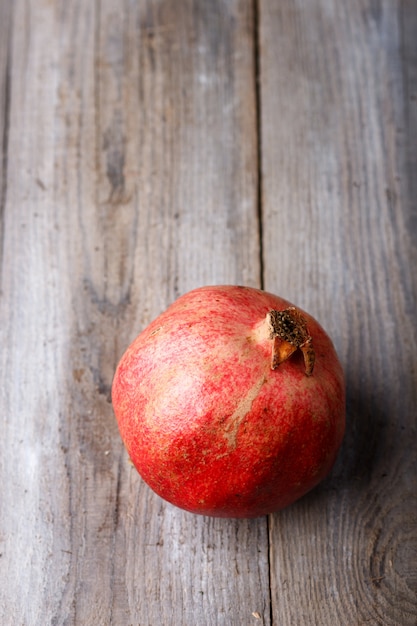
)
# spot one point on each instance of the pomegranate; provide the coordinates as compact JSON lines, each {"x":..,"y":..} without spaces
{"x":231,"y":403}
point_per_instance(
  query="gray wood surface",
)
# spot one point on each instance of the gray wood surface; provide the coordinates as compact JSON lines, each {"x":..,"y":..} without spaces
{"x":149,"y":147}
{"x":339,"y":138}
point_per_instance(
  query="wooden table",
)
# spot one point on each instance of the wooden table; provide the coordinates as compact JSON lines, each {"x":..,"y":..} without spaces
{"x":153,"y":146}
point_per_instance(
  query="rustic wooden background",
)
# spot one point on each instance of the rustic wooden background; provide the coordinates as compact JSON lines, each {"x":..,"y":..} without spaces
{"x":153,"y":146}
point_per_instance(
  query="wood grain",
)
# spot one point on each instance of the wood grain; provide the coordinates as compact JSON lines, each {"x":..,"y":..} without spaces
{"x":132,"y":137}
{"x":338,"y":145}
{"x":125,"y":187}
{"x":4,"y":108}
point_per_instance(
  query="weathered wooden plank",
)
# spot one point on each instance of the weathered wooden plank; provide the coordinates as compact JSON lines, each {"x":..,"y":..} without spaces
{"x":338,"y":138}
{"x":4,"y":106}
{"x":131,"y":177}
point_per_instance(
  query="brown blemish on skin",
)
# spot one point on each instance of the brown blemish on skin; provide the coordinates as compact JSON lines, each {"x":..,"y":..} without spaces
{"x":239,"y":414}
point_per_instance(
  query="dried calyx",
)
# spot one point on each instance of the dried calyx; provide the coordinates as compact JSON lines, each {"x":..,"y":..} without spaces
{"x":288,"y":331}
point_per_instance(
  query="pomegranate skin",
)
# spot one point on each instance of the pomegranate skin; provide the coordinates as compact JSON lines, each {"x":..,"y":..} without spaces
{"x":209,"y":425}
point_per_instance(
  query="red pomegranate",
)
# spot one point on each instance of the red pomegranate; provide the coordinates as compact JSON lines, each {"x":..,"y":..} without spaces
{"x":231,"y":403}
